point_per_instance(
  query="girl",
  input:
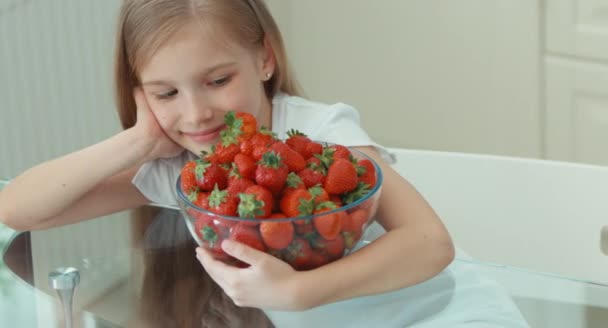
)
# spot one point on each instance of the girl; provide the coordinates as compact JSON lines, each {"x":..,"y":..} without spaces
{"x":180,"y":66}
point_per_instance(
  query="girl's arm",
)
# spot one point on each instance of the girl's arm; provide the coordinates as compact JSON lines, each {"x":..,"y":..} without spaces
{"x":415,"y":248}
{"x":87,"y":183}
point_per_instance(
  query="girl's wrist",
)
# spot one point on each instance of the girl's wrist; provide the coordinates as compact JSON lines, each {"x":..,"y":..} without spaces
{"x":141,"y":145}
{"x":307,"y":292}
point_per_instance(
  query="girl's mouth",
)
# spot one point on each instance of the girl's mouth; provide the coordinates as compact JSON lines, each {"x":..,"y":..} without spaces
{"x":204,"y":136}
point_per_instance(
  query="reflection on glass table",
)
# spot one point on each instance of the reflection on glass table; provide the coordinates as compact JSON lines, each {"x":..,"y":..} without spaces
{"x":138,"y":267}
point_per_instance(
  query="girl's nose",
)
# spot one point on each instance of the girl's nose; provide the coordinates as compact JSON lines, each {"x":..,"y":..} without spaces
{"x":198,"y":109}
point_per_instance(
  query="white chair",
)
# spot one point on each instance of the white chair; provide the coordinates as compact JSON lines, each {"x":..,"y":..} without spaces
{"x":539,"y":215}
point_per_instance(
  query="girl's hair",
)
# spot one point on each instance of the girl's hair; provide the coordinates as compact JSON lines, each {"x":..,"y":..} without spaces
{"x":146,"y":25}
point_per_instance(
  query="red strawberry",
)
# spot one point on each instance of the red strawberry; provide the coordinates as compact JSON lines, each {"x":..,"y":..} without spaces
{"x":188,"y":178}
{"x":237,"y":185}
{"x":277,"y":235}
{"x":221,"y":203}
{"x":208,"y":175}
{"x":271,"y":172}
{"x":210,"y":237}
{"x":298,"y":254}
{"x":224,"y":151}
{"x":311,"y":177}
{"x":298,"y":202}
{"x":242,"y":125}
{"x":245,"y":165}
{"x":256,"y":202}
{"x":334,"y":248}
{"x":294,"y":161}
{"x":352,"y":226}
{"x":298,"y":141}
{"x":328,"y":225}
{"x":264,"y":137}
{"x":341,"y":152}
{"x":314,"y":148}
{"x":293,"y":182}
{"x":366,"y":172}
{"x":341,"y":177}
{"x":247,"y":235}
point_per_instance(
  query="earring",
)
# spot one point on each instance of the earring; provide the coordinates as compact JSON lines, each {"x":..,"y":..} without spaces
{"x":268,"y":75}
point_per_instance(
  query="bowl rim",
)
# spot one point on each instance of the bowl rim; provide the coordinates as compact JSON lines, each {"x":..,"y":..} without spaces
{"x":379,"y":180}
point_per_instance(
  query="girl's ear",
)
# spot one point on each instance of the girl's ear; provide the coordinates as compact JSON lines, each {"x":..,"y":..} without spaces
{"x":268,"y":60}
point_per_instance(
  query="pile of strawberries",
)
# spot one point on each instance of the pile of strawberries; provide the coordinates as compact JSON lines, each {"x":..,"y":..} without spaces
{"x":249,"y":173}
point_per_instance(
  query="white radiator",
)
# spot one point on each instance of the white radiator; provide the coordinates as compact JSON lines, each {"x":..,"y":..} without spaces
{"x":55,"y":78}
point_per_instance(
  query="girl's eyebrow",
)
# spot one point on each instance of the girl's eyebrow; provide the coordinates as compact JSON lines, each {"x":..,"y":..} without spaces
{"x":204,"y":73}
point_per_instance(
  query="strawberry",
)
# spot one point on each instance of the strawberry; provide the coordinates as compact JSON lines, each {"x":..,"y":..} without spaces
{"x":277,"y":235}
{"x":202,"y":200}
{"x":314,"y":148}
{"x":188,"y":179}
{"x":221,"y":203}
{"x":298,"y":141}
{"x":210,"y":237}
{"x":341,"y":152}
{"x":298,"y":202}
{"x":271,"y":172}
{"x":256,"y":202}
{"x":352,"y":226}
{"x":318,"y":258}
{"x":320,"y":195}
{"x":224,"y":151}
{"x":311,"y":177}
{"x":208,"y":175}
{"x":293,"y":182}
{"x":242,"y":125}
{"x":329,"y":225}
{"x":247,"y":235}
{"x":298,"y":254}
{"x":334,"y":248}
{"x":341,"y":177}
{"x":245,"y":165}
{"x":294,"y":161}
{"x":237,"y":184}
{"x":366,"y":172}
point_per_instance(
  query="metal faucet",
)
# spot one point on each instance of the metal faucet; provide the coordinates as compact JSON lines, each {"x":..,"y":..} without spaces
{"x":64,"y":281}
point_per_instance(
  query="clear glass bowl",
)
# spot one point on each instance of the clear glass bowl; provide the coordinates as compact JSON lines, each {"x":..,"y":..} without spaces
{"x":307,"y":249}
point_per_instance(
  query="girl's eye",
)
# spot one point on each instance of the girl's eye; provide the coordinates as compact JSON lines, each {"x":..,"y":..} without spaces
{"x":166,"y":95}
{"x":219,"y":82}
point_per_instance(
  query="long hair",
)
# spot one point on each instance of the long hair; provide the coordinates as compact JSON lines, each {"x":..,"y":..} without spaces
{"x":144,"y":26}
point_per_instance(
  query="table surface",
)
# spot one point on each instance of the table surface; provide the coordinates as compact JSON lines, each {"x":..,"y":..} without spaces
{"x":137,"y":269}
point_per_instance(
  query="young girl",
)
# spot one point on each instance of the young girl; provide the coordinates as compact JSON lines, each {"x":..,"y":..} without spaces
{"x":180,"y":66}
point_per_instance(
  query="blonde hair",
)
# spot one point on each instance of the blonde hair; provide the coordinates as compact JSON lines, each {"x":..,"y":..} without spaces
{"x":146,"y":25}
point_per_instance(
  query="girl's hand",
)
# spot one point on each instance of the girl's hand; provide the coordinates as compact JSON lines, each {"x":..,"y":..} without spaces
{"x":159,"y":144}
{"x":268,"y":283}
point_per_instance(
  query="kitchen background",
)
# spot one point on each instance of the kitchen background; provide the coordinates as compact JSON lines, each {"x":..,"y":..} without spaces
{"x":524,"y":78}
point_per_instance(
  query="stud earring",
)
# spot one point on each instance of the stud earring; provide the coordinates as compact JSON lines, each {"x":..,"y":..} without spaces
{"x":268,"y":75}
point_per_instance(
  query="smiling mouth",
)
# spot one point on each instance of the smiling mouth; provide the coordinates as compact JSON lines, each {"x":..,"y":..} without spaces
{"x":204,"y":133}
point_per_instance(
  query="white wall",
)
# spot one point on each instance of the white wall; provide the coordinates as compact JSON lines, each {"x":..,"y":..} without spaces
{"x":55,"y":79}
{"x":449,"y":75}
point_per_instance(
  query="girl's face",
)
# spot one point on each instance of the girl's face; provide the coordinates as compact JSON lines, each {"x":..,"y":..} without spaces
{"x":198,"y":76}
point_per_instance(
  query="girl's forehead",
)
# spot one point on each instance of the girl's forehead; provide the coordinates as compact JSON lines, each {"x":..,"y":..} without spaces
{"x":196,"y":44}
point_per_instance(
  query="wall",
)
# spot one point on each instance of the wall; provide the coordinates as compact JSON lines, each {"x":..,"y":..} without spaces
{"x":430,"y":74}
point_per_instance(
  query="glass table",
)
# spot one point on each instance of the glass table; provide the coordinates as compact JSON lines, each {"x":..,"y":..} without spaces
{"x":137,"y":269}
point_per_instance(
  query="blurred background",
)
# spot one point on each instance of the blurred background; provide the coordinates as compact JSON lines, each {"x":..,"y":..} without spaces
{"x":508,"y":77}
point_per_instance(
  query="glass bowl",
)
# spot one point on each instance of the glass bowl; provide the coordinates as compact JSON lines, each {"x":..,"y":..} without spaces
{"x":301,"y":246}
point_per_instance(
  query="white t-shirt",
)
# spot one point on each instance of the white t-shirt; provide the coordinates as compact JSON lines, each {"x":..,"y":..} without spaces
{"x":338,"y":123}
